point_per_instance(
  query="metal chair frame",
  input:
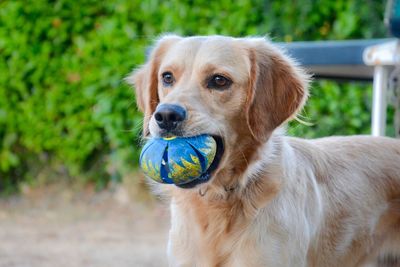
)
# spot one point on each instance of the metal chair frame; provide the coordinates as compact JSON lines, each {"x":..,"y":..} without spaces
{"x":376,"y":60}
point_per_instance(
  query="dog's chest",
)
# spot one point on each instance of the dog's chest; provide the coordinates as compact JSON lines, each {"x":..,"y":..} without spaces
{"x":212,"y":237}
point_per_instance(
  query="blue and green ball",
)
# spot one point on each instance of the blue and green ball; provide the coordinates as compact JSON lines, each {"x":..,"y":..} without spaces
{"x":178,"y":160}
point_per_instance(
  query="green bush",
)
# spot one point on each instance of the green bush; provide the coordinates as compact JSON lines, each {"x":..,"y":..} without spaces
{"x":65,"y":110}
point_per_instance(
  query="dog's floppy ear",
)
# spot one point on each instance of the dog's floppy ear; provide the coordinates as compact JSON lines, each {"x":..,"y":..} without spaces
{"x":277,"y":88}
{"x":145,"y":80}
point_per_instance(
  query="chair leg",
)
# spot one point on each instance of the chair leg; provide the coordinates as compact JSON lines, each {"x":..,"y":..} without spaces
{"x":379,"y":103}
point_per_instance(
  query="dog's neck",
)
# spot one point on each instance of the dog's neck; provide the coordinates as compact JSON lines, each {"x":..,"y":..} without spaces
{"x":250,"y":177}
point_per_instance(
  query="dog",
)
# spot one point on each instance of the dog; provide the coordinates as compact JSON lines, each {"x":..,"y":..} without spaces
{"x":273,"y":200}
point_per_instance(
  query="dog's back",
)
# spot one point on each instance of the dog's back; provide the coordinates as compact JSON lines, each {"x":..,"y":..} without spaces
{"x":359,"y":182}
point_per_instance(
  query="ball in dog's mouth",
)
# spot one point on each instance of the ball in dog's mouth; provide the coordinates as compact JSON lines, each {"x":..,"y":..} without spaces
{"x":183,"y":161}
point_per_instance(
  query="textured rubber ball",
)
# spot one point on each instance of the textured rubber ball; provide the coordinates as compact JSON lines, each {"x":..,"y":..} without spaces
{"x":177,"y":160}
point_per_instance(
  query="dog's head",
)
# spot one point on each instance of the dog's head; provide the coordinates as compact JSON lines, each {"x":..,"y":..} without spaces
{"x":238,"y":90}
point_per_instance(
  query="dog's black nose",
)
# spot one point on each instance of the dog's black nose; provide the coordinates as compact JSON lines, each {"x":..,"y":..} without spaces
{"x":169,"y":116}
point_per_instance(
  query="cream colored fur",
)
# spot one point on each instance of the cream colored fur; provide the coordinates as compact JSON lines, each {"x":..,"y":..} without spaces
{"x":274,"y":200}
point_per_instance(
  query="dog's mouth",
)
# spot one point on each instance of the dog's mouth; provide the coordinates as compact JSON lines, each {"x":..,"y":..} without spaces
{"x":206,"y":176}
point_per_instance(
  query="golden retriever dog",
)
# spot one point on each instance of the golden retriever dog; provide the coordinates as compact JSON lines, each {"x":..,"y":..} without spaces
{"x":273,"y":200}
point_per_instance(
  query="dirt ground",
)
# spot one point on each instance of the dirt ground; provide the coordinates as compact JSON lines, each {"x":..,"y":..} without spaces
{"x":53,"y":227}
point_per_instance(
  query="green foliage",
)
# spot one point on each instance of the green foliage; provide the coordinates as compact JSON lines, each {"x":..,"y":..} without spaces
{"x":64,"y":105}
{"x":335,"y":109}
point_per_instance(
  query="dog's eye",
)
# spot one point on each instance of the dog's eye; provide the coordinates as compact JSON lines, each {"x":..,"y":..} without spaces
{"x":218,"y":82}
{"x":168,"y":78}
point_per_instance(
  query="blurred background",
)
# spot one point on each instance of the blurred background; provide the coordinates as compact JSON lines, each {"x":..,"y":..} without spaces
{"x":70,"y":128}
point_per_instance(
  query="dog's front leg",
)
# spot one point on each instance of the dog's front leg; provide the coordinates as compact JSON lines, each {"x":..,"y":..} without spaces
{"x":179,"y":249}
{"x":185,"y":246}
